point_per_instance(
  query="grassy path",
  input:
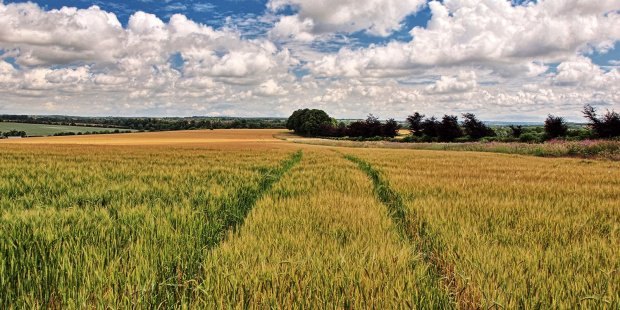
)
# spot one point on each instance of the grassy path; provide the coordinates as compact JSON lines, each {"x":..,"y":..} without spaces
{"x":319,"y":239}
{"x":416,"y":231}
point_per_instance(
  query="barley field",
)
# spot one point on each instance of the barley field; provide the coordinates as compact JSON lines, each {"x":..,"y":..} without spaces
{"x":240,"y":219}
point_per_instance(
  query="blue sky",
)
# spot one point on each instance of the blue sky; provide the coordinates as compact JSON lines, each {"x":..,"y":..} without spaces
{"x":501,"y":59}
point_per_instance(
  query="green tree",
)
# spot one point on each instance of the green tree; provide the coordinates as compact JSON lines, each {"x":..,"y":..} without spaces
{"x":309,"y":121}
{"x":476,"y":129}
{"x":415,"y":124}
{"x":555,"y":127}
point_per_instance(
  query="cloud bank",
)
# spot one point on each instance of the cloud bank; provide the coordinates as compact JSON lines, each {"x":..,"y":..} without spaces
{"x":485,"y":56}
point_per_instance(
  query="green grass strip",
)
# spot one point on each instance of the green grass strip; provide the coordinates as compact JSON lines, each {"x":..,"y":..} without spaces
{"x":234,"y":211}
{"x":229,"y":215}
{"x":418,"y":232}
{"x":390,"y":198}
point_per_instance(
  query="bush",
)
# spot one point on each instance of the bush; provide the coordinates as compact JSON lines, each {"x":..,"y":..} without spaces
{"x":530,"y":137}
{"x":516,"y":131}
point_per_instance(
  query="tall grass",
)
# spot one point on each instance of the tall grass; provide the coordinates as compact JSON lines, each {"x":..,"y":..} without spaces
{"x":516,"y":232}
{"x":320,"y":239}
{"x":120,"y":227}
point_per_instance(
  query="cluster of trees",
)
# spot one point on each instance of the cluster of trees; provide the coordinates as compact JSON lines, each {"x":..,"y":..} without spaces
{"x":13,"y":133}
{"x":313,"y":122}
{"x":448,"y":128}
{"x":80,"y":133}
{"x":471,"y":129}
{"x":606,"y":127}
{"x":151,"y":124}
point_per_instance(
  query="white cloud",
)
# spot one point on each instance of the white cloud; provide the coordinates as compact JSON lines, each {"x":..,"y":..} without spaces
{"x":376,"y":17}
{"x":270,"y":88}
{"x":490,"y":33}
{"x":582,"y":72}
{"x":292,"y":27}
{"x":463,"y":82}
{"x":483,"y":56}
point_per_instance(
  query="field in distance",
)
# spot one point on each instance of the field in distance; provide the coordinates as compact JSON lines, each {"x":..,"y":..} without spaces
{"x":240,"y":219}
{"x":163,"y":138}
{"x":49,"y":130}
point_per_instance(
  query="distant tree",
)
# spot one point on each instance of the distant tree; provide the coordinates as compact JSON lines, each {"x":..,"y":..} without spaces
{"x":516,"y":131}
{"x":415,"y":123}
{"x":607,"y":127}
{"x":555,"y":127}
{"x":476,"y":129}
{"x":449,"y":128}
{"x":430,"y":127}
{"x":390,"y":128}
{"x":373,"y":126}
{"x":308,"y":122}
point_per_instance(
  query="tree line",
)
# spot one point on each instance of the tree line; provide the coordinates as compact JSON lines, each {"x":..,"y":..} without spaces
{"x":313,"y":122}
{"x":13,"y":133}
{"x":152,"y":124}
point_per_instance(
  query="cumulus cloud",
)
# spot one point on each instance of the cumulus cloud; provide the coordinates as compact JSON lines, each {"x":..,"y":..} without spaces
{"x":376,"y":17}
{"x":490,"y":33}
{"x":88,"y":50}
{"x":463,"y":82}
{"x":582,"y":72}
{"x":485,"y":56}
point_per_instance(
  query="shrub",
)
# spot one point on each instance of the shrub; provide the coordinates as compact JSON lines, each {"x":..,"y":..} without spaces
{"x":530,"y":137}
{"x":516,"y":131}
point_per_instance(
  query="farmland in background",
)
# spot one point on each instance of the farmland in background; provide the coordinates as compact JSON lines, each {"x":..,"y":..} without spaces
{"x":237,"y":218}
{"x":49,"y":130}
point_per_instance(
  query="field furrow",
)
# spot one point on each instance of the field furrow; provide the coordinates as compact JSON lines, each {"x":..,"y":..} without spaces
{"x":319,"y":239}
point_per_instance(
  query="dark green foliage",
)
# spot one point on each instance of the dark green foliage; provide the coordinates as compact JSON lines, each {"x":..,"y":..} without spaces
{"x":430,"y":127}
{"x":151,"y":124}
{"x":415,"y":124}
{"x":14,"y":133}
{"x":530,"y":137}
{"x":607,"y":127}
{"x":449,"y":129}
{"x":308,"y":122}
{"x":474,"y":128}
{"x":390,"y":128}
{"x":516,"y":131}
{"x":555,"y":127}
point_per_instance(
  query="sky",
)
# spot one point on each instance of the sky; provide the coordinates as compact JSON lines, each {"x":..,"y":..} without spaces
{"x":502,"y":60}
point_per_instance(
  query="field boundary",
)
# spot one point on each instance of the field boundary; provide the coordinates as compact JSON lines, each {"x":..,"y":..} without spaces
{"x":421,"y":237}
{"x":590,"y":149}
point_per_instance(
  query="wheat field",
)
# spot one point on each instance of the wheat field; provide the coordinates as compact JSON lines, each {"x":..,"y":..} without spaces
{"x":239,"y":219}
